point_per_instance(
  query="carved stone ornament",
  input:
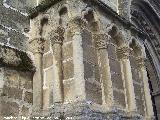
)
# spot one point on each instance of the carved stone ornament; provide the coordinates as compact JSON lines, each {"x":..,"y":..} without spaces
{"x":76,"y":25}
{"x":10,"y":57}
{"x":57,"y":36}
{"x":101,"y":40}
{"x":123,"y":52}
{"x":36,"y":45}
{"x":141,"y":62}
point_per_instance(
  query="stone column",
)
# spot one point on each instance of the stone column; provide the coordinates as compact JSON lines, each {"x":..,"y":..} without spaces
{"x":75,"y":27}
{"x":37,"y":47}
{"x":105,"y":75}
{"x":123,"y":55}
{"x":57,"y":41}
{"x":147,"y":95}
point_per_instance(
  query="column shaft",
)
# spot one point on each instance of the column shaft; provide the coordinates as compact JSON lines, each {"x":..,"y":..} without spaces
{"x":129,"y":85}
{"x":123,"y":54}
{"x":78,"y":66}
{"x":38,"y":83}
{"x":105,"y":75}
{"x":147,"y":95}
{"x":107,"y":90}
{"x":57,"y":41}
{"x":58,"y":82}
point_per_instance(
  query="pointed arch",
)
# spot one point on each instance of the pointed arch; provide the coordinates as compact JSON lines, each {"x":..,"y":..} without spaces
{"x":136,"y":47}
{"x":63,"y":15}
{"x":116,"y":35}
{"x":91,"y":18}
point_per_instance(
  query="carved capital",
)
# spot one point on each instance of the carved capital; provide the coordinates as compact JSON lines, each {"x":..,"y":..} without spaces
{"x":141,"y":62}
{"x":57,"y":36}
{"x":76,"y":25}
{"x":101,"y":40}
{"x":36,"y":45}
{"x":123,"y":52}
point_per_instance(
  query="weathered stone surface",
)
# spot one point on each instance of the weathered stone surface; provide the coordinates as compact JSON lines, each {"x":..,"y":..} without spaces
{"x":135,"y":75}
{"x":12,"y":92}
{"x":87,"y":37}
{"x":47,"y":45}
{"x":67,"y":51}
{"x":86,"y":111}
{"x":28,"y":97}
{"x":21,"y":5}
{"x":90,"y":54}
{"x":9,"y":109}
{"x":80,"y":68}
{"x":115,"y":66}
{"x":119,"y":99}
{"x":18,"y":40}
{"x":133,"y":61}
{"x":68,"y":70}
{"x":157,"y":104}
{"x":117,"y":81}
{"x":93,"y":92}
{"x":140,"y":106}
{"x":25,"y":111}
{"x":112,"y":51}
{"x":89,"y":70}
{"x":68,"y":86}
{"x":48,"y":60}
{"x":138,"y":90}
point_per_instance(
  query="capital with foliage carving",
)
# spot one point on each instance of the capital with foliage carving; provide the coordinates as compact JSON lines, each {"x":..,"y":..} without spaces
{"x":57,"y":36}
{"x":76,"y":25}
{"x":123,"y":52}
{"x":141,"y":62}
{"x":101,"y":40}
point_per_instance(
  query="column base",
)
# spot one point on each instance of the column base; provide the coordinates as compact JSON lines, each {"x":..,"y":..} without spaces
{"x":41,"y":115}
{"x":85,"y":111}
{"x":150,"y":118}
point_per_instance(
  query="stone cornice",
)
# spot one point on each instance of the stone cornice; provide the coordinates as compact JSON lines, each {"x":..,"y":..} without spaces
{"x":48,"y":3}
{"x":14,"y":58}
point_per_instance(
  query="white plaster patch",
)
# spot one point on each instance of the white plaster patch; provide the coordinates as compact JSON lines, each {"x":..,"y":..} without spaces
{"x":1,"y":77}
{"x":69,"y":59}
{"x":8,"y":40}
{"x":45,"y":77}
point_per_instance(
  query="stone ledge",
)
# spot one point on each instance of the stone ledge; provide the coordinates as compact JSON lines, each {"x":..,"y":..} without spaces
{"x":44,"y":5}
{"x":12,"y":57}
{"x":83,"y":111}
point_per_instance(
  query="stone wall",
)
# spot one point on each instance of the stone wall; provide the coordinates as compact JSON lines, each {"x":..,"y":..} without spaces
{"x":116,"y":77}
{"x":14,"y":22}
{"x":16,"y":94}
